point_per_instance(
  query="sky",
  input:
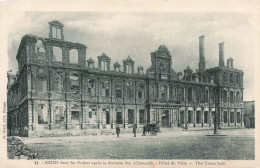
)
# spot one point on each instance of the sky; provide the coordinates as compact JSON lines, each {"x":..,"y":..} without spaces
{"x":123,"y":34}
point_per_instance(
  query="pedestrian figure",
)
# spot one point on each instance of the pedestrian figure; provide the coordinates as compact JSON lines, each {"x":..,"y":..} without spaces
{"x":117,"y":131}
{"x":134,"y":130}
{"x":144,"y":129}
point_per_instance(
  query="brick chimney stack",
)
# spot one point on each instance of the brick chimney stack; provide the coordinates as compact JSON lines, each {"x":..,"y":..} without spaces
{"x":202,"y":54}
{"x":221,"y":54}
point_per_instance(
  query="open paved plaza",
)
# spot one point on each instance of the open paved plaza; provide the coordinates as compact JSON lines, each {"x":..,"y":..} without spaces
{"x":237,"y":144}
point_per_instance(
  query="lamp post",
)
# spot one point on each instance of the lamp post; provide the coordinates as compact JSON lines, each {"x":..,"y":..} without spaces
{"x":216,"y":93}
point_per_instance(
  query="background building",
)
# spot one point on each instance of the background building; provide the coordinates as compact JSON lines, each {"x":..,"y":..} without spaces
{"x":57,"y":88}
{"x":249,"y":114}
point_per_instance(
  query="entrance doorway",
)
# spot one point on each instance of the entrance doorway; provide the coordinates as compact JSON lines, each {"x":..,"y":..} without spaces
{"x":165,"y":118}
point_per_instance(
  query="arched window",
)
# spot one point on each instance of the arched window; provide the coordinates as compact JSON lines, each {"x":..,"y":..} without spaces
{"x":74,"y":56}
{"x":231,"y":77}
{"x":225,"y":96}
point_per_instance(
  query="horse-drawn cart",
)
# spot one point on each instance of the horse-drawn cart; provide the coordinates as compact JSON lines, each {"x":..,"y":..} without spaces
{"x":152,"y":129}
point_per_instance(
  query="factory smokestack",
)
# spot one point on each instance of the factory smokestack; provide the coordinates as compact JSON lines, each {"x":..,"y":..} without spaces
{"x":202,"y":54}
{"x":221,"y":54}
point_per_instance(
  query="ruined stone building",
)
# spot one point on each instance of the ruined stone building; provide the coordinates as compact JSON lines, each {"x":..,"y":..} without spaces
{"x":58,"y":86}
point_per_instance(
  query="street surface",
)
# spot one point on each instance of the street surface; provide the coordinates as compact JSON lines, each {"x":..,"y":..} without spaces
{"x":237,"y":144}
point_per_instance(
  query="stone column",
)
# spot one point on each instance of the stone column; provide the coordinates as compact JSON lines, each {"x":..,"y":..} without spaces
{"x":210,"y":116}
{"x":242,"y":118}
{"x":179,"y":117}
{"x":194,"y":117}
{"x":228,"y":113}
{"x":235,"y":117}
{"x":202,"y":117}
{"x":170,"y":118}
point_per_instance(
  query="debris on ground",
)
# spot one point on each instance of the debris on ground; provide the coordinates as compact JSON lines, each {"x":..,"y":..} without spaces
{"x":16,"y":149}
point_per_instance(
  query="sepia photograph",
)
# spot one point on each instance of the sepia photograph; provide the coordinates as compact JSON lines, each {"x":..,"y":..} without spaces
{"x":111,"y":86}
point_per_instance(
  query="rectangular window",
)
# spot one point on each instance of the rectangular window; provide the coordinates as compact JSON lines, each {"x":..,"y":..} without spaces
{"x":141,"y":91}
{"x":206,"y":117}
{"x":232,"y":117}
{"x":57,"y":54}
{"x":118,"y":91}
{"x":105,"y":89}
{"x":103,"y":65}
{"x":119,"y":118}
{"x":238,"y":117}
{"x":91,"y":87}
{"x":225,"y":117}
{"x":163,"y":91}
{"x":74,"y":87}
{"x":141,"y":116}
{"x":75,"y":116}
{"x":130,"y":116}
{"x":129,"y":90}
{"x":74,"y":58}
{"x":152,"y":90}
{"x":198,"y":117}
{"x":190,"y":116}
{"x":107,"y":117}
{"x":90,"y":114}
{"x":231,"y":97}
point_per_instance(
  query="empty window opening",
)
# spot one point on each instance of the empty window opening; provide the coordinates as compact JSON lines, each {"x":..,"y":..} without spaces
{"x":42,"y":115}
{"x":56,"y":32}
{"x":40,"y":50}
{"x":105,"y":88}
{"x":91,"y":87}
{"x":104,"y":65}
{"x":141,"y":91}
{"x":74,"y":87}
{"x":118,"y":91}
{"x":129,"y":90}
{"x":57,"y":54}
{"x":74,"y":56}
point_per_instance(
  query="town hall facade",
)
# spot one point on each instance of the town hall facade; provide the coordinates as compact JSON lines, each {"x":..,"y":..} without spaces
{"x":58,"y":87}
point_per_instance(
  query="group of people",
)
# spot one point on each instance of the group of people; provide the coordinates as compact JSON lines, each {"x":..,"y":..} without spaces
{"x":134,"y":130}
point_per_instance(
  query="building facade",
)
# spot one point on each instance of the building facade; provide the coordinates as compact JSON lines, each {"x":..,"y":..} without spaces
{"x":57,"y":88}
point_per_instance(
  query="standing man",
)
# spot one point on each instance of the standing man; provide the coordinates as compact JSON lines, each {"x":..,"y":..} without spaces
{"x":134,"y":130}
{"x":117,"y":131}
{"x":144,"y":129}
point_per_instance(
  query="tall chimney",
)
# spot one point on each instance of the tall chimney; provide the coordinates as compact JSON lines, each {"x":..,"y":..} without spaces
{"x":221,"y":55}
{"x":202,"y":54}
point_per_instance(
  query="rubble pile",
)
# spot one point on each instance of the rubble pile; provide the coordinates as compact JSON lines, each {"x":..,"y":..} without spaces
{"x":16,"y":149}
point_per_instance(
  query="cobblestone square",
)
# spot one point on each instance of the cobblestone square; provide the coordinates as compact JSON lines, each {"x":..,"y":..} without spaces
{"x":237,"y":144}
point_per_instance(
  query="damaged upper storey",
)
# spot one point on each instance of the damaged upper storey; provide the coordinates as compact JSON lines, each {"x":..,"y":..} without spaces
{"x":56,"y":52}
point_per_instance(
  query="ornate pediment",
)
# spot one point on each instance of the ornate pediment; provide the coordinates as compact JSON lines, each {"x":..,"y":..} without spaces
{"x":56,"y":23}
{"x":104,"y":57}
